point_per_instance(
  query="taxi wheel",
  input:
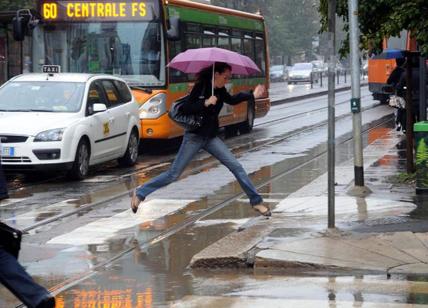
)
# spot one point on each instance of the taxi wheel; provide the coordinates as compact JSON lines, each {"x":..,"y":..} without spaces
{"x":131,"y":154}
{"x":81,"y":162}
{"x":247,"y":126}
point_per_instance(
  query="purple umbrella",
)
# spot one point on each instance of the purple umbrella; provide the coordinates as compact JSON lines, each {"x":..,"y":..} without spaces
{"x":194,"y":60}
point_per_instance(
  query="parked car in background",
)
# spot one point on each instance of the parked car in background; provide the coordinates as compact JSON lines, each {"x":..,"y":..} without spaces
{"x":320,"y":67}
{"x":302,"y":72}
{"x":278,"y":73}
{"x":67,"y":122}
{"x":365,"y":67}
{"x":340,"y":68}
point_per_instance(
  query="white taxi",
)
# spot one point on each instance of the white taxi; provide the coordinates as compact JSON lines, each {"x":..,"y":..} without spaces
{"x":67,"y":121}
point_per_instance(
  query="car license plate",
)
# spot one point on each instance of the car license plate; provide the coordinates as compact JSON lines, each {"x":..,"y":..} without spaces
{"x":8,"y":151}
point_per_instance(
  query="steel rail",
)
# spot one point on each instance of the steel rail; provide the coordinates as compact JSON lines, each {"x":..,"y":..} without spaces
{"x":71,"y":282}
{"x":191,"y":171}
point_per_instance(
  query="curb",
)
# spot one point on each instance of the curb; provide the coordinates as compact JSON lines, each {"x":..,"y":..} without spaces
{"x":310,"y":95}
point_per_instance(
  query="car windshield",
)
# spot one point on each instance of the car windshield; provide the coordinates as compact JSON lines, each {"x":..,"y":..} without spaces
{"x":302,"y":66}
{"x":42,"y":96}
{"x":277,"y":68}
{"x":132,"y":50}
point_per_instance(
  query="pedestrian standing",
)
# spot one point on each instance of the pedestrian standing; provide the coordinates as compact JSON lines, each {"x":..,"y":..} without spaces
{"x":207,"y":104}
{"x":394,"y":80}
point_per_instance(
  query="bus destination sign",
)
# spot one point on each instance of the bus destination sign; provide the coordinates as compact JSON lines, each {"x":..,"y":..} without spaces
{"x":97,"y":10}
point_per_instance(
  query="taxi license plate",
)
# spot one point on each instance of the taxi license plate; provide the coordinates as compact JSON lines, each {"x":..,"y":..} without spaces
{"x":8,"y":151}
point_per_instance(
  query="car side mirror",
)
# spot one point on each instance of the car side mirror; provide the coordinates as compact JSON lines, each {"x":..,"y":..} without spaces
{"x":99,"y":108}
{"x":173,"y":33}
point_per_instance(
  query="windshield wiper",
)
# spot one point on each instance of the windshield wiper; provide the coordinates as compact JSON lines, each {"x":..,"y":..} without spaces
{"x":147,"y":90}
{"x":40,"y":110}
{"x":15,"y":110}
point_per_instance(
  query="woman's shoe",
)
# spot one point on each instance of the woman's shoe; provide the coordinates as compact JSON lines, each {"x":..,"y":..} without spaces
{"x":262,"y":209}
{"x":135,"y":202}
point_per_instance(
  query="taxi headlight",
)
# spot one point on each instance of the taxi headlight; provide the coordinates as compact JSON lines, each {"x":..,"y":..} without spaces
{"x":154,"y":107}
{"x":50,"y":135}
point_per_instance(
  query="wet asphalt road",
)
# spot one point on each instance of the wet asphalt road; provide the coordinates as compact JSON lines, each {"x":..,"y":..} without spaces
{"x":147,"y":272}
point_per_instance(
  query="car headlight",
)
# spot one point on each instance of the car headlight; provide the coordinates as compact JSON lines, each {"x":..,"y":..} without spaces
{"x":154,"y":107}
{"x":50,"y":135}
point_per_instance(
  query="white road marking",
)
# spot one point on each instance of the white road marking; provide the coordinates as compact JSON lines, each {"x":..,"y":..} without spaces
{"x":9,"y":201}
{"x":99,"y":231}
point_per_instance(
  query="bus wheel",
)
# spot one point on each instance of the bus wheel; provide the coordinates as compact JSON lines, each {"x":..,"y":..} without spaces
{"x":247,"y":126}
{"x":80,"y":167}
{"x":131,"y":155}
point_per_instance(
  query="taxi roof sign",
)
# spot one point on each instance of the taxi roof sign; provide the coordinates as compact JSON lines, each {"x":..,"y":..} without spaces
{"x":51,"y":69}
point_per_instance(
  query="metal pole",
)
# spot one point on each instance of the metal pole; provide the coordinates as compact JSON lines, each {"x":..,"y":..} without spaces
{"x":409,"y":115}
{"x":356,"y":92}
{"x":331,"y":110}
{"x":422,"y":89}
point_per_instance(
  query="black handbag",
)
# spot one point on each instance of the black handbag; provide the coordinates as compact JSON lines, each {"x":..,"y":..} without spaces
{"x":10,"y":239}
{"x":188,"y":121}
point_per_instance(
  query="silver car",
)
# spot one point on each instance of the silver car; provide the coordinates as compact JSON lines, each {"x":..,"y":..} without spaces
{"x":301,"y":72}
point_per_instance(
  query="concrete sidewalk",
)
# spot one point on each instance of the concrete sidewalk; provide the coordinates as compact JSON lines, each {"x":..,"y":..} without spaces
{"x":295,"y":239}
{"x":281,"y":93}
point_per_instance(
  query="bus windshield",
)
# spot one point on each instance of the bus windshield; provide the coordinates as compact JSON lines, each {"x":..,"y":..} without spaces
{"x":132,"y":50}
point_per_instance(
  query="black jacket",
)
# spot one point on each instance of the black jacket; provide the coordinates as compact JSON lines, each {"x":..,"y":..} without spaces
{"x":196,"y":105}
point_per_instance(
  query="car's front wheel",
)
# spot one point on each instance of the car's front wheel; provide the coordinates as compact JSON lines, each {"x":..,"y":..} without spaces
{"x":131,"y":155}
{"x":80,"y":167}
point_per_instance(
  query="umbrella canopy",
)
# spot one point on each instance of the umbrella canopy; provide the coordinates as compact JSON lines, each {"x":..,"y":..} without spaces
{"x":194,"y":60}
{"x":393,"y":54}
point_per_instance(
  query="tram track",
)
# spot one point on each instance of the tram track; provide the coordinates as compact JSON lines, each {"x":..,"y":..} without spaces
{"x":239,"y":150}
{"x":72,"y":281}
{"x":22,"y":188}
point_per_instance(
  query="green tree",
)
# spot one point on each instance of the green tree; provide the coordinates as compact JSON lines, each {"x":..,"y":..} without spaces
{"x":292,"y":24}
{"x":383,"y":18}
{"x":11,"y":5}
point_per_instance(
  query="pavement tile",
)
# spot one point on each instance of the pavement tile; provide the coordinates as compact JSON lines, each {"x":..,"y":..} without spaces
{"x":376,"y":245}
{"x":338,"y":249}
{"x":408,"y":243}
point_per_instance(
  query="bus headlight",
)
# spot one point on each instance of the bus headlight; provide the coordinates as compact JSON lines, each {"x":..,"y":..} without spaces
{"x":154,"y":107}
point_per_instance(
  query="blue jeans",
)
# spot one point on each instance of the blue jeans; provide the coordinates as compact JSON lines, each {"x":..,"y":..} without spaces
{"x":191,"y":144}
{"x":14,"y":277}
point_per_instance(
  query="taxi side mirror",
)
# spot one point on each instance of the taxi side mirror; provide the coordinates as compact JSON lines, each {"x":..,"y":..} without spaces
{"x":99,"y":108}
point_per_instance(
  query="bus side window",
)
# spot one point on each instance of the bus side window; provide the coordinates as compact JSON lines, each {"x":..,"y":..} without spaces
{"x":260,"y":53}
{"x":249,"y":46}
{"x":176,"y":75}
{"x":209,"y":38}
{"x":223,"y":39}
{"x":236,"y":41}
